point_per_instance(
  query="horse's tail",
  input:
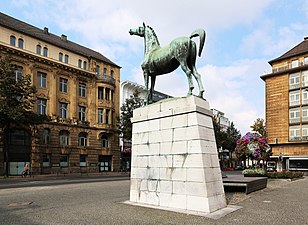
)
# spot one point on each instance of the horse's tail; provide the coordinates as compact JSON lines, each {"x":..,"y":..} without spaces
{"x":201,"y":34}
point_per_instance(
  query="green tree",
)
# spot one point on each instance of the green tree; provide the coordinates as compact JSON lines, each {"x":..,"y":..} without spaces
{"x":127,"y":109}
{"x":16,"y":101}
{"x":259,"y":127}
{"x":226,"y":138}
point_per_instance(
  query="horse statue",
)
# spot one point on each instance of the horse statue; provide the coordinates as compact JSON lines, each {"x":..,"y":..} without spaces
{"x":161,"y":60}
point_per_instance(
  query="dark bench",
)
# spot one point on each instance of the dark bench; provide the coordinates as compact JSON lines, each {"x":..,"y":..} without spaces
{"x":249,"y":184}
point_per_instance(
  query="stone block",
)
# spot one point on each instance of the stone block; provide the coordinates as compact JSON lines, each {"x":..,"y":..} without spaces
{"x":165,"y":186}
{"x":195,"y":174}
{"x":179,"y":121}
{"x":179,"y":187}
{"x":166,"y":123}
{"x":196,"y":189}
{"x":165,"y":173}
{"x":178,"y":174}
{"x":198,"y":203}
{"x":178,"y":201}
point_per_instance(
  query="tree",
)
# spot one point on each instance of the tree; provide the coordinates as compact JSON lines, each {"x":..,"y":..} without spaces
{"x":259,"y":127}
{"x":226,"y":138}
{"x":16,"y":101}
{"x":127,"y":109}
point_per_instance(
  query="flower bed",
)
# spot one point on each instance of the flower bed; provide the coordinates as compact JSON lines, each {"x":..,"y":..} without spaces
{"x":259,"y":172}
{"x":285,"y":175}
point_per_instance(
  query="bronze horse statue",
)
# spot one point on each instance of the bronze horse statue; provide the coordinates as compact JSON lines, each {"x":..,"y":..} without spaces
{"x":161,"y":60}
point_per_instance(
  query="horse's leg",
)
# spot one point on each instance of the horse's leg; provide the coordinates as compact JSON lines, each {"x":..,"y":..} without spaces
{"x":153,"y":79}
{"x":198,"y":79}
{"x":192,"y":67}
{"x":146,"y":82}
{"x":186,"y":69}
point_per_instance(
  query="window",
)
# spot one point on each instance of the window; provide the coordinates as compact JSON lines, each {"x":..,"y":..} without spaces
{"x":82,"y":113}
{"x":38,"y":49}
{"x":82,"y":89}
{"x":46,"y":160}
{"x":83,"y":160}
{"x":79,"y":63}
{"x":305,"y":132}
{"x":100,"y":93}
{"x":12,"y":40}
{"x":112,"y":73}
{"x":294,"y":98}
{"x":20,"y":43}
{"x":63,"y":110}
{"x":305,"y":114}
{"x":84,"y":65}
{"x":105,"y":163}
{"x":63,"y":85}
{"x":46,"y":136}
{"x":100,"y":115}
{"x":107,"y":116}
{"x":64,"y":137}
{"x":104,"y":141}
{"x":294,"y":63}
{"x":294,"y":80}
{"x":41,"y":80}
{"x":294,"y":133}
{"x":107,"y":94}
{"x":60,"y":56}
{"x":83,"y":139}
{"x":97,"y":69}
{"x":105,"y":72}
{"x":305,"y":97}
{"x":64,"y":160}
{"x":294,"y":115}
{"x":18,"y":73}
{"x":41,"y":106}
{"x":66,"y":59}
{"x":305,"y":78}
{"x":305,"y":60}
{"x":45,"y":51}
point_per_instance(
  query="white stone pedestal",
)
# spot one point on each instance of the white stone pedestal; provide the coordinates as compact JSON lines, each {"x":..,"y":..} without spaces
{"x":174,"y":157}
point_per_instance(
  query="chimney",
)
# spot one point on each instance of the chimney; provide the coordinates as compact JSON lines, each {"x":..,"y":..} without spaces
{"x":305,"y":38}
{"x":45,"y":30}
{"x":63,"y":37}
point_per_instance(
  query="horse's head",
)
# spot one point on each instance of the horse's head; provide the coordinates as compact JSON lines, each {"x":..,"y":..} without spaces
{"x":140,"y":31}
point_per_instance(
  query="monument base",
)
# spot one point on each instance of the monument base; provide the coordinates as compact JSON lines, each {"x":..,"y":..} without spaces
{"x":174,"y":157}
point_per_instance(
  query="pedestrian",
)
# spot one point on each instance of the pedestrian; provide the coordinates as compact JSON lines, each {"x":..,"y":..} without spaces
{"x":26,"y":170}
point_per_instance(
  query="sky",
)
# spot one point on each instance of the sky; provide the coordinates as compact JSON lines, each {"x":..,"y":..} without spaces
{"x":241,"y":37}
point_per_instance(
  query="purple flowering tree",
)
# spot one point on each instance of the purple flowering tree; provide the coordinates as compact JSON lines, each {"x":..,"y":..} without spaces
{"x":253,"y":146}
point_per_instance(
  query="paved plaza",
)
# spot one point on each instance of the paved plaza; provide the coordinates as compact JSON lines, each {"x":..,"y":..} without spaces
{"x":282,"y":202}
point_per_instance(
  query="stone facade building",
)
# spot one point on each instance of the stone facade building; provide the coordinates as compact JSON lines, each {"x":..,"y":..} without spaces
{"x":287,"y":107}
{"x":78,"y":88}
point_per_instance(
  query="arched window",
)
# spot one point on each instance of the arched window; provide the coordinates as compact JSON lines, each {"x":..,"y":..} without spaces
{"x":64,"y":137}
{"x":83,"y":139}
{"x":66,"y":59}
{"x":45,"y":51}
{"x":105,"y":72}
{"x":97,"y":69}
{"x":84,"y":65}
{"x":38,"y":49}
{"x":12,"y":40}
{"x":46,"y":136}
{"x":20,"y":43}
{"x":60,"y":56}
{"x":79,"y":63}
{"x":104,"y":141}
{"x":112,"y":73}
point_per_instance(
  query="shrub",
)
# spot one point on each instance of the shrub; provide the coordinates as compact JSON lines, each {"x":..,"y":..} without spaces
{"x":254,"y":172}
{"x":285,"y":175}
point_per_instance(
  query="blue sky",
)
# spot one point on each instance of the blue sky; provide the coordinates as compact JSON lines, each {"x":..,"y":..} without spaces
{"x":242,"y":36}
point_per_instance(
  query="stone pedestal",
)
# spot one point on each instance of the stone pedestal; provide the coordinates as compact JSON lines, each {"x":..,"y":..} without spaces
{"x":174,"y":157}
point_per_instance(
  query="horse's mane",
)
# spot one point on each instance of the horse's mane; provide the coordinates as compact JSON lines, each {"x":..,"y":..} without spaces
{"x":153,"y":33}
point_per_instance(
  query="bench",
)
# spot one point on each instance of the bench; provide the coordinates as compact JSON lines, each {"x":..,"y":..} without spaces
{"x":248,"y":184}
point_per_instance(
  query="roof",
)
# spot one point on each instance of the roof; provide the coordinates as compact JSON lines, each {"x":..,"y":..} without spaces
{"x":46,"y":36}
{"x":299,"y":49}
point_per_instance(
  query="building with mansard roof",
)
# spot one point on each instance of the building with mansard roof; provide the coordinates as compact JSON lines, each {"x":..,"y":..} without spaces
{"x":78,"y":88}
{"x":287,"y":107}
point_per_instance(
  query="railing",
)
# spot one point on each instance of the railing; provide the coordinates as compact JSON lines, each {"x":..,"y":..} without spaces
{"x":105,"y":78}
{"x":289,"y":66}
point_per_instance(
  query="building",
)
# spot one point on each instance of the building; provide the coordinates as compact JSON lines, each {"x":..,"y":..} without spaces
{"x":127,"y":90}
{"x":223,"y":121}
{"x":78,"y":88}
{"x":287,"y":107}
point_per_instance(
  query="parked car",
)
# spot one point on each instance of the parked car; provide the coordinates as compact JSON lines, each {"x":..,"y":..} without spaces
{"x":239,"y":167}
{"x":271,"y":166}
